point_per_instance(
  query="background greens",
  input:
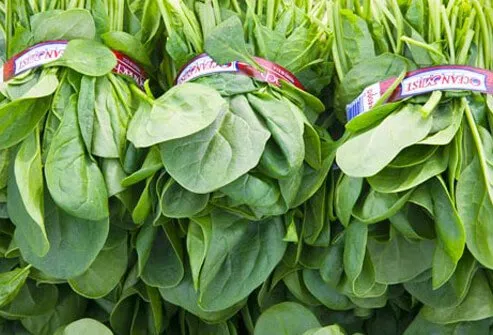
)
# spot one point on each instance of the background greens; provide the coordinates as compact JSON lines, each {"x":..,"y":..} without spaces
{"x":215,"y":207}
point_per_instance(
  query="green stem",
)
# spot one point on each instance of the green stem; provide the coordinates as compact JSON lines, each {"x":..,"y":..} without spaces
{"x":337,"y":62}
{"x":450,"y":6}
{"x":391,"y":89}
{"x":453,"y":22}
{"x":431,"y":104}
{"x":217,"y":11}
{"x":390,"y":36}
{"x":34,"y":6}
{"x":367,"y":9}
{"x":477,"y":140}
{"x":489,"y":15}
{"x":399,"y":22}
{"x":121,"y":15}
{"x":420,"y":44}
{"x":260,"y":7}
{"x":448,"y":33}
{"x":337,"y":29}
{"x":137,"y":91}
{"x":236,"y":7}
{"x":436,"y":21}
{"x":462,"y":57}
{"x":111,"y":13}
{"x":165,"y":16}
{"x":8,"y":26}
{"x":358,"y":9}
{"x":484,"y":31}
{"x":117,"y":88}
{"x":271,"y":6}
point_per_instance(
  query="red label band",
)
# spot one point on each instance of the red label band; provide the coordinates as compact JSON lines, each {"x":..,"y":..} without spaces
{"x":127,"y":67}
{"x":48,"y":52}
{"x":426,"y":80}
{"x":204,"y":65}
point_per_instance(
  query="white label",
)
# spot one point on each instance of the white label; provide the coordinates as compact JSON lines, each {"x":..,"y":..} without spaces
{"x":39,"y":55}
{"x":204,"y":65}
{"x":444,"y":79}
{"x":364,"y":102}
{"x":371,"y":94}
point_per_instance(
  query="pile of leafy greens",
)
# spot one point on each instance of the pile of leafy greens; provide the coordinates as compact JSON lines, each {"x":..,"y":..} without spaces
{"x":214,"y":206}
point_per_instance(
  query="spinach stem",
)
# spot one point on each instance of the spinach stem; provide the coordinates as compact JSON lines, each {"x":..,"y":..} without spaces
{"x":217,"y":11}
{"x":337,"y":62}
{"x":420,"y":44}
{"x":34,"y":6}
{"x":462,"y":57}
{"x":141,"y":94}
{"x":431,"y":104}
{"x":434,"y":20}
{"x":111,"y":14}
{"x":337,"y":29}
{"x":448,"y":33}
{"x":484,"y":30}
{"x":236,"y":7}
{"x":260,"y":7}
{"x":270,"y":14}
{"x":388,"y":31}
{"x":477,"y":140}
{"x":166,"y":17}
{"x":8,"y":24}
{"x":367,"y":9}
{"x":450,"y":6}
{"x":117,"y":88}
{"x":399,"y":23}
{"x":453,"y":23}
{"x":391,"y":89}
{"x":358,"y":9}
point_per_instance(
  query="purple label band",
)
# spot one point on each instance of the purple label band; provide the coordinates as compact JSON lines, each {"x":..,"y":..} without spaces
{"x":426,"y":80}
{"x":204,"y":65}
{"x":48,"y":52}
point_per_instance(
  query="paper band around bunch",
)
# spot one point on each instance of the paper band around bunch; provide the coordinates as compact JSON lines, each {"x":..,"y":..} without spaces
{"x":426,"y":80}
{"x":48,"y":52}
{"x":204,"y":65}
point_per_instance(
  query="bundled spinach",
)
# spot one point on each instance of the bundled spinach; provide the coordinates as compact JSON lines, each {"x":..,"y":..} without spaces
{"x":236,"y":168}
{"x":65,"y":217}
{"x":229,"y":141}
{"x":414,"y":193}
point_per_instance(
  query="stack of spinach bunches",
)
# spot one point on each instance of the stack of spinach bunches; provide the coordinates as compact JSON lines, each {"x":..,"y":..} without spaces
{"x":66,"y":219}
{"x":236,"y":170}
{"x":216,"y":208}
{"x":415,"y":192}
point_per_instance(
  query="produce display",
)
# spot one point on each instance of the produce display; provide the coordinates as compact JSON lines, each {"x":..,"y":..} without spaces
{"x":297,"y":167}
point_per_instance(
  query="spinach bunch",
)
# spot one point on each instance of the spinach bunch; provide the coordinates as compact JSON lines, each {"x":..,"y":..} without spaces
{"x":228,"y":141}
{"x":65,"y":217}
{"x":235,"y":199}
{"x":413,"y":194}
